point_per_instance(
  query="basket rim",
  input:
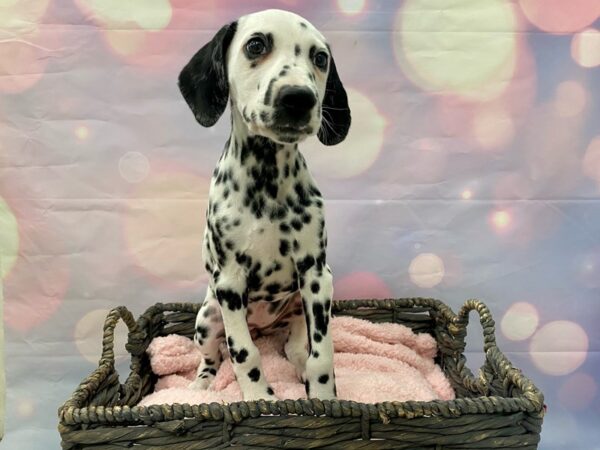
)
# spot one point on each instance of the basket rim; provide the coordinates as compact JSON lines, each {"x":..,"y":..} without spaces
{"x":74,"y":413}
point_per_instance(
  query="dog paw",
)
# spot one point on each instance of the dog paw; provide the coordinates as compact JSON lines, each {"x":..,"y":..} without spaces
{"x":322,"y":393}
{"x":199,"y":384}
{"x":255,"y":396}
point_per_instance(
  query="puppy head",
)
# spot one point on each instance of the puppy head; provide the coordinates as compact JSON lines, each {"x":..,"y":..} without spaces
{"x":280,"y":74}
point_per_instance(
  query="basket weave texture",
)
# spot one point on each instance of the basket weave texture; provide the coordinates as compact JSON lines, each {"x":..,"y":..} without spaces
{"x":499,"y":408}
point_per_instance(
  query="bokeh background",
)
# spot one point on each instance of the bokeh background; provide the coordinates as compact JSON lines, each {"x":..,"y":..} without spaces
{"x":472,"y":170}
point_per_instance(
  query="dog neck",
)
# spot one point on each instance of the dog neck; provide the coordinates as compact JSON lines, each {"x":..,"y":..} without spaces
{"x":261,"y":162}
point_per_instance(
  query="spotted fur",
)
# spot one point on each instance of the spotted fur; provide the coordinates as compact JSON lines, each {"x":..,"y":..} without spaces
{"x":265,"y":240}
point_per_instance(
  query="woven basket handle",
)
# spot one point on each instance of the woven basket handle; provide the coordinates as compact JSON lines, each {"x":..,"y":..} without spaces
{"x":485,"y":317}
{"x":108,"y":338}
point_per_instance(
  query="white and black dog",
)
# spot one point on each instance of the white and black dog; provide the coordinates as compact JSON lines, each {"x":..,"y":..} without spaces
{"x":265,"y":240}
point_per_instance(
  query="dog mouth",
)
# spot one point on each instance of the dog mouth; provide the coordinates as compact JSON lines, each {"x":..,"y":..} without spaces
{"x":290,"y":130}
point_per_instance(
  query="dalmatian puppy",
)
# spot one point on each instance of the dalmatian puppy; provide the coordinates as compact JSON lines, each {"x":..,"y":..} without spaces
{"x":265,"y":240}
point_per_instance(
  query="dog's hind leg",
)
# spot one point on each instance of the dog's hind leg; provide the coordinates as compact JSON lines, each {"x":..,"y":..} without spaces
{"x":208,"y":336}
{"x":296,"y":346}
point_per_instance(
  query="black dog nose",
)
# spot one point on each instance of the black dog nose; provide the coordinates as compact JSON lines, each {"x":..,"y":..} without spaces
{"x":295,"y":102}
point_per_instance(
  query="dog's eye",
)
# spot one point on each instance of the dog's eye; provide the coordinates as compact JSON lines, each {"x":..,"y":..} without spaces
{"x":321,"y":59}
{"x":255,"y":47}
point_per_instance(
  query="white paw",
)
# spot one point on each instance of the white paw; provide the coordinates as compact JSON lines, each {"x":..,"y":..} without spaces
{"x":199,"y":384}
{"x":322,"y":394}
{"x":255,"y":395}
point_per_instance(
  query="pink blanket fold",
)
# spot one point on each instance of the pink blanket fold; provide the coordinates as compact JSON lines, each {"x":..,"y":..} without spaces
{"x":373,"y":363}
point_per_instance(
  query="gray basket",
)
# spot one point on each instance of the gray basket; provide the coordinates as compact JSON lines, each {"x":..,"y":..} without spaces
{"x":498,"y":409}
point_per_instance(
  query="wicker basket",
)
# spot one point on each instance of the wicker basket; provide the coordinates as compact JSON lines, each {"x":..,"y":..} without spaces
{"x":498,"y":409}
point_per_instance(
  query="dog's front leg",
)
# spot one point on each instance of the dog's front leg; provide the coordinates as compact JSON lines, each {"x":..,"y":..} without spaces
{"x":231,"y":292}
{"x":316,"y":288}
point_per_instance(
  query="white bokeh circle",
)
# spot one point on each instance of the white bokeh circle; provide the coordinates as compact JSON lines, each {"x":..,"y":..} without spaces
{"x":134,"y":167}
{"x":88,"y":336}
{"x":559,"y":347}
{"x":520,"y":321}
{"x":426,"y":270}
{"x":359,"y":150}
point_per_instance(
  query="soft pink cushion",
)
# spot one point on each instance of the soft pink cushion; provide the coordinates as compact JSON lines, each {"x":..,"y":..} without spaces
{"x":373,"y":363}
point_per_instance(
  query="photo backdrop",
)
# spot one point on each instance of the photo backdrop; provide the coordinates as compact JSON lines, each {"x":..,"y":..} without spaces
{"x":472,"y":170}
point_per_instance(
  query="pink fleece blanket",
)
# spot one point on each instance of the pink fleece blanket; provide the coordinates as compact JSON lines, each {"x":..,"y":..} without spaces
{"x":373,"y":363}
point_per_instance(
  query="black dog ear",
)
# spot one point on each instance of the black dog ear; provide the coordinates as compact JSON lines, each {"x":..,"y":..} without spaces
{"x":336,"y":119}
{"x":203,"y":81}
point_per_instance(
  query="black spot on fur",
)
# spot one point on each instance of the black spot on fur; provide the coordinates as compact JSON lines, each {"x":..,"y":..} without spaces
{"x":233,"y":299}
{"x":314,"y":287}
{"x":270,"y":391}
{"x":284,"y":247}
{"x":301,"y":192}
{"x":241,"y":356}
{"x":202,"y":331}
{"x":297,"y":50}
{"x":209,"y":362}
{"x":273,"y":288}
{"x":321,"y":318}
{"x":315,"y":354}
{"x":317,"y":337}
{"x":284,"y":227}
{"x":240,"y":258}
{"x":296,"y":224}
{"x":254,"y":374}
{"x":278,"y":213}
{"x":253,"y":278}
{"x":323,"y":379}
{"x":306,"y":263}
{"x":303,"y":25}
{"x":212,"y":371}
